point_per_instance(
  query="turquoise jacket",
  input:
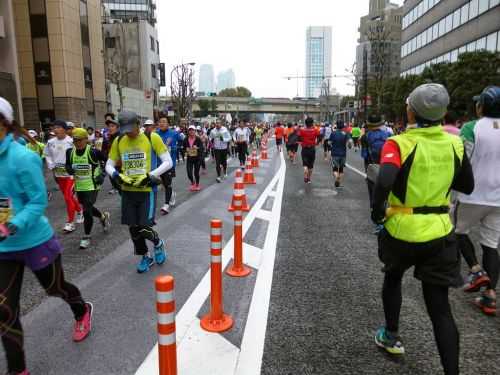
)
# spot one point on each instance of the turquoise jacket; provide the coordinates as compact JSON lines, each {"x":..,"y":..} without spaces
{"x":23,"y":197}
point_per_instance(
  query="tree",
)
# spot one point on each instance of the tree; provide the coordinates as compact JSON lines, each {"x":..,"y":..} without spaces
{"x":204,"y":107}
{"x":238,"y":92}
{"x":213,"y":106}
{"x":182,"y":89}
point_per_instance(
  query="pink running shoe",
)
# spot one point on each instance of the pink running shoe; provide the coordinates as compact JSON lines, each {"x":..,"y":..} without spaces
{"x":84,"y":325}
{"x":192,"y":187}
{"x":25,"y":372}
{"x":197,"y":187}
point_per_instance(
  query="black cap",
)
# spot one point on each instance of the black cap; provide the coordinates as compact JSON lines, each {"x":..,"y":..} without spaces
{"x":114,"y":122}
{"x":60,"y":123}
{"x":373,"y":120}
{"x":128,"y":121}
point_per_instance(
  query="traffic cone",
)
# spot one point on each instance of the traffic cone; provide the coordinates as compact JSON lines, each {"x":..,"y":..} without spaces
{"x":248,"y":177}
{"x":255,"y":159}
{"x":239,"y":193}
{"x":263,"y":152}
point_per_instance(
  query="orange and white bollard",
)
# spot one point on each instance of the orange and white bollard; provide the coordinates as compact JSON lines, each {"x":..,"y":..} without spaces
{"x":165,"y":308}
{"x":239,"y":191}
{"x":263,"y":152}
{"x":248,"y":177}
{"x":255,"y":159}
{"x":216,"y":320}
{"x":238,"y":269}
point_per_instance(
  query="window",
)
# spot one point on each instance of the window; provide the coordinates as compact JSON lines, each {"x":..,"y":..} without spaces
{"x":158,"y":47}
{"x":429,"y":35}
{"x":43,"y":73}
{"x":494,"y":3}
{"x":471,"y":47}
{"x":110,"y":42}
{"x":462,"y":49}
{"x":442,"y":25}
{"x":38,"y":26}
{"x":481,"y":44}
{"x":153,"y":70}
{"x":424,"y":38}
{"x":454,"y":55}
{"x":435,"y":29}
{"x":448,"y":23}
{"x":483,"y":6}
{"x":498,"y":42}
{"x":491,"y":42}
{"x":413,"y":44}
{"x":473,"y":9}
{"x":419,"y":41}
{"x":426,"y":6}
{"x":152,"y":40}
{"x":456,"y":18}
{"x":464,"y":14}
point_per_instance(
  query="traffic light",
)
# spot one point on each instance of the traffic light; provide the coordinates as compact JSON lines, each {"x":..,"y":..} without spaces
{"x":161,"y":68}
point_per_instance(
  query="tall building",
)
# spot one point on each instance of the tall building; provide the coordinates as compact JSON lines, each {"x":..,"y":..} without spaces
{"x":206,"y":79}
{"x":379,"y":40}
{"x":436,"y":31}
{"x":131,"y":10}
{"x":226,"y":80}
{"x":318,"y":58}
{"x":52,"y":57}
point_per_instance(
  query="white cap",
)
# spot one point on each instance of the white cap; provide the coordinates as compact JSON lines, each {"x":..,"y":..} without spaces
{"x":32,"y":133}
{"x":198,"y":127}
{"x":148,"y":122}
{"x":6,"y":110}
{"x":192,"y":127}
{"x":69,"y":124}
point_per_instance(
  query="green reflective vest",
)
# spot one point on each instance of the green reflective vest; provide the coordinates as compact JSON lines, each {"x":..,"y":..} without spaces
{"x":429,"y":161}
{"x":85,"y":170}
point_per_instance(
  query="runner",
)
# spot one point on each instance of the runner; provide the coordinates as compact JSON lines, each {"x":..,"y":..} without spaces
{"x":241,"y":138}
{"x":279,"y":132}
{"x":194,"y":152}
{"x":204,"y":152}
{"x":112,"y":132}
{"x":170,"y":138}
{"x":37,"y":147}
{"x":28,"y":240}
{"x":258,"y":135}
{"x":355,"y":135}
{"x":138,"y":153}
{"x":339,"y":141}
{"x":292,"y":144}
{"x":308,"y":139}
{"x":327,"y":132}
{"x":84,"y":163}
{"x":482,"y":207}
{"x":55,"y":155}
{"x":221,"y":138}
{"x":418,"y":230}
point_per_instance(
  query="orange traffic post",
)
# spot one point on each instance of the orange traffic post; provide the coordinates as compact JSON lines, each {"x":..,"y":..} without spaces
{"x":216,"y":320}
{"x":165,"y":308}
{"x":255,"y":159}
{"x":238,"y":269}
{"x":248,"y":177}
{"x":239,"y":191}
{"x":263,"y":151}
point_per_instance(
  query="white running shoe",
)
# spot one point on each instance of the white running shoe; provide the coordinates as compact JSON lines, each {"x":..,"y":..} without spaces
{"x":106,"y":222}
{"x":85,"y":243}
{"x":79,"y":218}
{"x":165,"y":209}
{"x":69,"y":227}
{"x":172,"y":198}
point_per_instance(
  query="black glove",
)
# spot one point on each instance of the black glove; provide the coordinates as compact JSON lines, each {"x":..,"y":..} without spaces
{"x":147,"y":180}
{"x":378,"y":216}
{"x":7,"y":230}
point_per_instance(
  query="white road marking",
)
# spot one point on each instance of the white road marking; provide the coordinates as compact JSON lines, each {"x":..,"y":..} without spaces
{"x":186,"y":318}
{"x":362,"y":174}
{"x":252,"y":256}
{"x":264,"y":214}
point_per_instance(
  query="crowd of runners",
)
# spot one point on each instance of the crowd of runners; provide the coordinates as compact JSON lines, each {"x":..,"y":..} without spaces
{"x":427,"y":184}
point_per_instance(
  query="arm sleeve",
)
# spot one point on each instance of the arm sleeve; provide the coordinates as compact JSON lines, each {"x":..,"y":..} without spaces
{"x":31,"y":179}
{"x":386,"y":178}
{"x":464,"y":181}
{"x":110,"y":167}
{"x":69,"y":167}
{"x":166,"y":164}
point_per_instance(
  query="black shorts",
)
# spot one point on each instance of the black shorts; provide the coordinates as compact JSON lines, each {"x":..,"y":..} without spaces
{"x":279,"y":141}
{"x":436,"y":262}
{"x":293,"y":148}
{"x":326,"y":145}
{"x":138,"y":208}
{"x":308,"y":156}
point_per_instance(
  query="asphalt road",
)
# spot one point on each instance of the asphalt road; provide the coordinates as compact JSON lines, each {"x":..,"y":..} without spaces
{"x":325,"y":301}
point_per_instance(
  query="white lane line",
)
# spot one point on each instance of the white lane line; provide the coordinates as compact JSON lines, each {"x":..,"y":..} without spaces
{"x":272,"y":193}
{"x":252,"y":255}
{"x":252,"y":345}
{"x":362,"y":174}
{"x":264,"y":215}
{"x":186,"y":317}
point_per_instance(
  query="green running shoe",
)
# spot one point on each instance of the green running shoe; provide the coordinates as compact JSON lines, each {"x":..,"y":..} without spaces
{"x":391,"y":344}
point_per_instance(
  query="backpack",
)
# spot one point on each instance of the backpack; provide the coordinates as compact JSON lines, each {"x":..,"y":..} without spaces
{"x":376,"y":140}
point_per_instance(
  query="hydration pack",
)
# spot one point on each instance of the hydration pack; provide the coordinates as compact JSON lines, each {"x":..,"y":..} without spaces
{"x":376,"y":140}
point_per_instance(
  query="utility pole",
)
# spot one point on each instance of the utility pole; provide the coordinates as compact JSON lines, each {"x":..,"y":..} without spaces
{"x":365,"y":83}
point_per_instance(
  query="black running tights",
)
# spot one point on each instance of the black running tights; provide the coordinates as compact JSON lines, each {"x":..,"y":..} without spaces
{"x":438,"y":308}
{"x":87,"y":200}
{"x":166,"y":179}
{"x":11,"y":279}
{"x":141,"y":233}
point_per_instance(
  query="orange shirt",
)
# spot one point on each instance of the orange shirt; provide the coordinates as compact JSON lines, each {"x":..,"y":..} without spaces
{"x":279,"y":132}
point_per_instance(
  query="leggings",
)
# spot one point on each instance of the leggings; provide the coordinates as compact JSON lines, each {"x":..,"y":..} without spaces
{"x":67,"y":189}
{"x":193,"y":165}
{"x":166,"y":178}
{"x":87,"y":199}
{"x":242,"y":152}
{"x":438,"y":308}
{"x":141,"y":233}
{"x":220,"y":160}
{"x":11,"y":278}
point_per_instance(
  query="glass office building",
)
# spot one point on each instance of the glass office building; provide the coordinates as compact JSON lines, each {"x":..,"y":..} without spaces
{"x":318,"y":59}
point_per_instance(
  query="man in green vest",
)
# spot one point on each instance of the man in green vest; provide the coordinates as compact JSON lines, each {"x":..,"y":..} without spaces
{"x":411,"y":199}
{"x":83,"y":162}
{"x":138,"y":155}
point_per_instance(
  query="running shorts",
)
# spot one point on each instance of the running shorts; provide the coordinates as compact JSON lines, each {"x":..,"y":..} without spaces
{"x":279,"y":141}
{"x":36,"y":258}
{"x":436,"y":262}
{"x":308,"y":156}
{"x":338,"y":163}
{"x":138,"y":208}
{"x":467,"y":216}
{"x":326,"y":145}
{"x":293,"y":148}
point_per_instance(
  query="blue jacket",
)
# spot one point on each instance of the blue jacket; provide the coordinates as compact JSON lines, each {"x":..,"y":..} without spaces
{"x":23,"y":196}
{"x":174,"y":137}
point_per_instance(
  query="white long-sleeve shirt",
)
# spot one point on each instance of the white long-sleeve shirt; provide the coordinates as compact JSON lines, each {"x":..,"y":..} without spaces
{"x":241,"y":135}
{"x":221,"y":138}
{"x":55,"y":155}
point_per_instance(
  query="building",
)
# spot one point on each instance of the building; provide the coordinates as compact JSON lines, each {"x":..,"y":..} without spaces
{"x":131,"y":10}
{"x":206,"y":79}
{"x":379,"y":43}
{"x":436,"y":31}
{"x":226,"y":80}
{"x":318,"y":58}
{"x":52,"y":52}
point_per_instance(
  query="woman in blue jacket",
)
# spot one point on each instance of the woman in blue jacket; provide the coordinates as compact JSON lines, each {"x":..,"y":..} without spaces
{"x":27,"y":240}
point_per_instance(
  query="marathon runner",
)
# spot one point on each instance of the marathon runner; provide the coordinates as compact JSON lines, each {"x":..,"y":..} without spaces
{"x":170,"y":138}
{"x":308,"y":139}
{"x":55,"y":155}
{"x":138,"y":153}
{"x":112,"y":132}
{"x":241,"y":138}
{"x":204,"y":152}
{"x":279,"y":132}
{"x":327,"y":132}
{"x":194,"y":152}
{"x":482,"y":207}
{"x":28,"y":240}
{"x":258,"y":135}
{"x":355,"y":135}
{"x":221,"y":138}
{"x":84,"y":163}
{"x":339,"y":141}
{"x":292,"y":142}
{"x":417,"y":226}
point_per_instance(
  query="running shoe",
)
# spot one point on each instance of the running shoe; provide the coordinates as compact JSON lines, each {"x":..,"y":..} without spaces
{"x":305,"y":180}
{"x":487,"y":304}
{"x":85,"y":243}
{"x":197,"y":187}
{"x":160,"y":253}
{"x":165,"y":209}
{"x":172,"y":198}
{"x":79,"y":219}
{"x":225,"y":175}
{"x":337,"y":183}
{"x":49,"y":196}
{"x":475,"y":281}
{"x":391,"y":344}
{"x":105,"y":221}
{"x":309,"y":181}
{"x":145,"y":264}
{"x":218,"y":179}
{"x":112,"y":191}
{"x":84,"y":325}
{"x":25,"y":372}
{"x":191,"y":188}
{"x":69,"y":227}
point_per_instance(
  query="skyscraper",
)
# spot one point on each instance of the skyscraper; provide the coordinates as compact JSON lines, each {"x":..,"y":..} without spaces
{"x":225,"y":80}
{"x":207,"y":84}
{"x":318,"y":59}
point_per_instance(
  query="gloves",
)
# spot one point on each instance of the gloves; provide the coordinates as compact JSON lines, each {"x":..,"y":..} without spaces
{"x":123,"y":179}
{"x":7,"y":230}
{"x":146,"y":180}
{"x":377,"y":216}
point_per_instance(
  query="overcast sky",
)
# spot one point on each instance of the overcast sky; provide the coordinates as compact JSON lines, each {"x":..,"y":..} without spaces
{"x":261,"y":40}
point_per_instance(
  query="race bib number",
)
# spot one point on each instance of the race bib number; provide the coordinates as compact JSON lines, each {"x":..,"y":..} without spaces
{"x":192,"y":151}
{"x":5,"y":210}
{"x":134,"y":163}
{"x":82,"y":171}
{"x":60,"y":170}
{"x":241,"y":138}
